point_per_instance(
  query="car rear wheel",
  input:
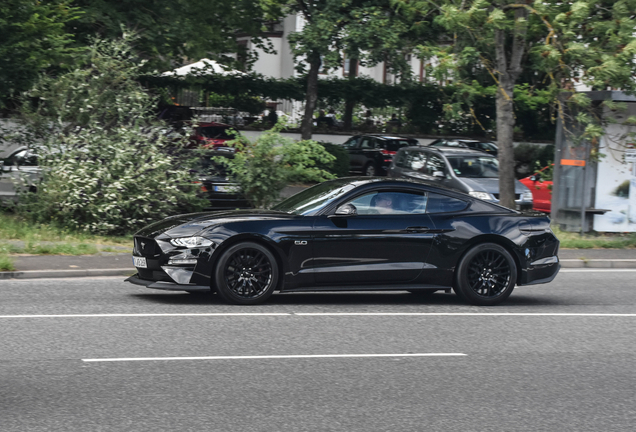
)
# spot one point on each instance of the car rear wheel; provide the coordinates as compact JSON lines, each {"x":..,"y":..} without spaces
{"x":246,"y":274}
{"x":370,"y":170}
{"x":486,"y":275}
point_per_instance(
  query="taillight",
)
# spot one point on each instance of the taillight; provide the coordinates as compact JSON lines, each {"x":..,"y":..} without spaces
{"x":203,"y":188}
{"x":387,"y":152}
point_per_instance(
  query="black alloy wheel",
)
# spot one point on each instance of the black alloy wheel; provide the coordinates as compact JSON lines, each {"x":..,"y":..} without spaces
{"x":486,"y":275}
{"x":247,"y":273}
{"x":370,"y":170}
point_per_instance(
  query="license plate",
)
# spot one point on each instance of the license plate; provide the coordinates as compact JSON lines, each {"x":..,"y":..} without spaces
{"x":139,"y":262}
{"x":224,"y":188}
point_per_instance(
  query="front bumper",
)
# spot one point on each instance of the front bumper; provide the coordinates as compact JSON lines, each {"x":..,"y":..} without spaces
{"x":169,"y":286}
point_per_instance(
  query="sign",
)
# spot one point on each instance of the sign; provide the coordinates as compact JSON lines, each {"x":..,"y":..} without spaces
{"x":630,"y":156}
{"x":573,"y":162}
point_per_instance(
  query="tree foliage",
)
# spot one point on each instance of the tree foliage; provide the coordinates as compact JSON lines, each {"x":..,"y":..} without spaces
{"x":108,"y":166}
{"x":33,"y":39}
{"x":561,"y":43}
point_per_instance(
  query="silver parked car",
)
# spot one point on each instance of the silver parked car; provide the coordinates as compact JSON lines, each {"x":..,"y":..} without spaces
{"x":19,"y":167}
{"x":470,"y":171}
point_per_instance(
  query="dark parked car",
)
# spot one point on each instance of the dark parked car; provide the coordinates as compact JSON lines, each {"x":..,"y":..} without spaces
{"x":221,"y":193}
{"x":485,"y":146}
{"x":371,"y":155}
{"x":351,"y":234}
{"x":469,"y":171}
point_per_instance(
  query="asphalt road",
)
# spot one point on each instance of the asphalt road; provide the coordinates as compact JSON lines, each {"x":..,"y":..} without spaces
{"x":101,"y":355}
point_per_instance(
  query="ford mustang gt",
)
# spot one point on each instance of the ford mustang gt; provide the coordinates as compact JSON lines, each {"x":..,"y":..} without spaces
{"x":352,"y":234}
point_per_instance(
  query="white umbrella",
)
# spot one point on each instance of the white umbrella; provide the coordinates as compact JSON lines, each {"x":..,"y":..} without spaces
{"x":203,"y":67}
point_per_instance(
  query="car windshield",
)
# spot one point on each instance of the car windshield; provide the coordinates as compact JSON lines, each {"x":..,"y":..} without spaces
{"x":312,"y":200}
{"x":215,"y":132}
{"x":475,"y":166}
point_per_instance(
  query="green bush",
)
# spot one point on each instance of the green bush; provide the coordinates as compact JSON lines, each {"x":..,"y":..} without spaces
{"x":108,"y":166}
{"x":263,"y":167}
{"x":340,"y":165}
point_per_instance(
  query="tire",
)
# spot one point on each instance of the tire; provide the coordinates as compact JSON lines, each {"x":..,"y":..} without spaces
{"x":370,"y":170}
{"x":246,"y":274}
{"x":486,"y":275}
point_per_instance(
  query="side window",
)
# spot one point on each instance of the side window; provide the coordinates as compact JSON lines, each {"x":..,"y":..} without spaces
{"x":400,"y":159}
{"x":352,"y":143}
{"x":438,"y":203}
{"x":22,"y":158}
{"x":418,"y":160}
{"x":366,"y":143}
{"x":390,"y":202}
{"x":434,"y":164}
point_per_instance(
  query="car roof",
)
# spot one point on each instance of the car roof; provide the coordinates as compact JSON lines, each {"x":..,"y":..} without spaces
{"x":206,"y":124}
{"x":386,"y":181}
{"x":384,"y":136}
{"x":455,"y":151}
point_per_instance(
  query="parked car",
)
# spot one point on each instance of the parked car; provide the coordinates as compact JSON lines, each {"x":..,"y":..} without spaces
{"x":469,"y":171}
{"x":371,"y":155}
{"x":541,"y":190}
{"x":485,"y":146}
{"x":221,"y":193}
{"x":340,"y":235}
{"x":19,"y":167}
{"x":212,"y":135}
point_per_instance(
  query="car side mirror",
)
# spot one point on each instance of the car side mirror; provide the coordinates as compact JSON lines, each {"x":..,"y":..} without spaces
{"x":347,"y":210}
{"x":439,"y":174}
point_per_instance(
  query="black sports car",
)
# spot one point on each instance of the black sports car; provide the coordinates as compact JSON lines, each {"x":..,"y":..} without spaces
{"x":352,"y":234}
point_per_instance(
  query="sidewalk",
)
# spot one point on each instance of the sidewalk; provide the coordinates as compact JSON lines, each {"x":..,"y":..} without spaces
{"x":120,"y":264}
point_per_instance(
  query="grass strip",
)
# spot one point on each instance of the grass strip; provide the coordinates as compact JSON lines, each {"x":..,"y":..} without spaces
{"x":594,"y":240}
{"x":6,"y":264}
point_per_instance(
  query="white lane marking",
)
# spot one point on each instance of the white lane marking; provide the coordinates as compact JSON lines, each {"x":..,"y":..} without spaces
{"x":596,"y":270}
{"x":261,"y":357}
{"x":462,"y":314}
{"x":147,"y":315}
{"x":290,"y":314}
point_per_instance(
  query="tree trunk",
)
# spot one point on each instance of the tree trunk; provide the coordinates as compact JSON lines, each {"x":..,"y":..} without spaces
{"x":349,"y":103}
{"x":505,"y":127}
{"x":311,"y":97}
{"x":508,"y":70}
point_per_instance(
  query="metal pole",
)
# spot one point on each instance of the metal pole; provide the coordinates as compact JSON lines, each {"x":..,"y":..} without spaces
{"x":583,"y":189}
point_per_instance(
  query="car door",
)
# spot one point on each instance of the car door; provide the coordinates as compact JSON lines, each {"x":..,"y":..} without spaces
{"x":370,"y":248}
{"x":355,"y":154}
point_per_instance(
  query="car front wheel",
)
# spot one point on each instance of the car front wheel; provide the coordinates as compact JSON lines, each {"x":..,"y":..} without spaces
{"x":246,"y":274}
{"x":486,"y":275}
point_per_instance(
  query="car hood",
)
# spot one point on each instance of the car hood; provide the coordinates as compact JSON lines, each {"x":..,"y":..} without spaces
{"x":490,"y":185}
{"x":190,"y":224}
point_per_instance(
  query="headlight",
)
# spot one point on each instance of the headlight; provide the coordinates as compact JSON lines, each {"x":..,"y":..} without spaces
{"x":481,"y":195}
{"x":526,"y":196}
{"x":191,"y":242}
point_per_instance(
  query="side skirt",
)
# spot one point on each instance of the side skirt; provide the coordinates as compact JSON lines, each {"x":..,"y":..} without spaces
{"x":403,"y":287}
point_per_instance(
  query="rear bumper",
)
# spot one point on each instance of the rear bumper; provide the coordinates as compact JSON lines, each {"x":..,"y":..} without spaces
{"x":168,"y":286}
{"x":541,"y":271}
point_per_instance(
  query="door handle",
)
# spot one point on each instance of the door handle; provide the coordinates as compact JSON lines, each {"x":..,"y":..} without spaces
{"x":417,"y":229}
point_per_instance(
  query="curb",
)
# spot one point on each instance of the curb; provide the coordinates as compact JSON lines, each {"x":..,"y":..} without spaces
{"x":48,"y":274}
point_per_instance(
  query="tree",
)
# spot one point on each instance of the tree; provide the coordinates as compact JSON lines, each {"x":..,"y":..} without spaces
{"x":173,"y":32}
{"x":586,"y":41}
{"x":33,"y":39}
{"x":357,"y":28}
{"x":109,"y":166}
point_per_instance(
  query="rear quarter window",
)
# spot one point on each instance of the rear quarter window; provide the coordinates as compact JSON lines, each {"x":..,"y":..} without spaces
{"x":438,"y":203}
